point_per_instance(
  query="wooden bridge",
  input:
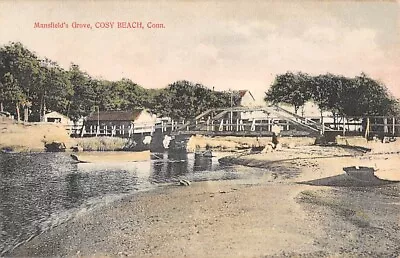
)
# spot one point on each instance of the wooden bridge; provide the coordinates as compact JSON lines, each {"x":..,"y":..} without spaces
{"x":255,"y":121}
{"x":245,"y":121}
{"x":259,"y":121}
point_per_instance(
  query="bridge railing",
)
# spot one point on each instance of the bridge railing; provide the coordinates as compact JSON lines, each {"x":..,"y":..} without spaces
{"x":225,"y":124}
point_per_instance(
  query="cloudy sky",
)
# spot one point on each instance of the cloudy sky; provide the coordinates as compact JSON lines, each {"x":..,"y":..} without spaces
{"x":225,"y":44}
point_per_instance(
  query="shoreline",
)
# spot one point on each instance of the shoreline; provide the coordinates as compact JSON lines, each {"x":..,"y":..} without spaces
{"x":270,"y":215}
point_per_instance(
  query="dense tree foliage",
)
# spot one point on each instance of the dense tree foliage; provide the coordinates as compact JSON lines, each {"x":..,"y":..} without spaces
{"x":184,"y":99}
{"x":359,"y":96}
{"x":19,"y":73}
{"x":291,"y":89}
{"x":39,"y":85}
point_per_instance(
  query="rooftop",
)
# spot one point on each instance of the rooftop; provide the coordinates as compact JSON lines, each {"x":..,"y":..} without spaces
{"x":115,"y":115}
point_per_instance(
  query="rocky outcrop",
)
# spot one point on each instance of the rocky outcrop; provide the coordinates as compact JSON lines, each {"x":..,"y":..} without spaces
{"x":55,"y":147}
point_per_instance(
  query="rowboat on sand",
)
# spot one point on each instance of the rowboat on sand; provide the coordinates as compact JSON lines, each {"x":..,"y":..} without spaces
{"x":372,"y":173}
{"x":110,"y":156}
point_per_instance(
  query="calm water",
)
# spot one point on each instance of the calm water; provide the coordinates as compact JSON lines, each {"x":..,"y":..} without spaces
{"x":40,"y":190}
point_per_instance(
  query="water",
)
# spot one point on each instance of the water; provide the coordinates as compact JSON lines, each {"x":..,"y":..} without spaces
{"x":41,"y":190}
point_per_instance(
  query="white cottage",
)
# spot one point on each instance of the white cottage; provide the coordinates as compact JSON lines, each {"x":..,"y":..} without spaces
{"x":120,"y":123}
{"x":55,"y":117}
{"x":246,"y":99}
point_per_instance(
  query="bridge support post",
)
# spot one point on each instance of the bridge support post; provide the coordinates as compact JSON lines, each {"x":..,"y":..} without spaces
{"x":344,"y":126}
{"x":221,"y":126}
{"x":83,"y":130}
{"x":385,"y":125}
{"x":394,"y":127}
{"x":241,"y":125}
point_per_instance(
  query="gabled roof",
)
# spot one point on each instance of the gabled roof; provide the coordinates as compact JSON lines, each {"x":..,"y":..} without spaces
{"x":115,"y":115}
{"x":52,"y":113}
{"x":243,"y":92}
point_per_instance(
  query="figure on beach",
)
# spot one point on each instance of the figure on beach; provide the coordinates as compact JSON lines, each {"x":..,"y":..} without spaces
{"x":274,"y":140}
{"x":275,"y":133}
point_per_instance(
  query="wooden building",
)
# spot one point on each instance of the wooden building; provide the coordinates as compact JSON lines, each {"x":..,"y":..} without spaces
{"x":119,"y":123}
{"x":246,"y":99}
{"x":55,"y":117}
{"x":73,"y":127}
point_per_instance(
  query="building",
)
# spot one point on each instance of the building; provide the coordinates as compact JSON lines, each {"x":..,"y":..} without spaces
{"x":6,"y":116}
{"x":73,"y":127}
{"x":119,"y":123}
{"x":55,"y":117}
{"x":246,"y":99}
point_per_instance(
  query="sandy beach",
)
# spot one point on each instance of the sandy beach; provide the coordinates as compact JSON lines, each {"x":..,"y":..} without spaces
{"x":281,"y":212}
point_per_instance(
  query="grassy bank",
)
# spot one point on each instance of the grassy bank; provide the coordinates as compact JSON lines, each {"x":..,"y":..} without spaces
{"x":102,"y":143}
{"x":32,"y":137}
{"x":25,"y":137}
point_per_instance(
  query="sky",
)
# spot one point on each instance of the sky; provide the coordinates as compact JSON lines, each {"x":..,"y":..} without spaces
{"x":222,"y":44}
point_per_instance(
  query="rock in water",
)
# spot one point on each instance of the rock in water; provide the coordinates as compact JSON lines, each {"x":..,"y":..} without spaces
{"x":55,"y":147}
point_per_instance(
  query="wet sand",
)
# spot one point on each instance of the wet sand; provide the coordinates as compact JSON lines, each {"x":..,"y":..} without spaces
{"x":266,"y":215}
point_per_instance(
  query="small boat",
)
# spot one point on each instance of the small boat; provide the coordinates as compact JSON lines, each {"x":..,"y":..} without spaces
{"x":361,"y":173}
{"x":371,"y":173}
{"x":110,"y":156}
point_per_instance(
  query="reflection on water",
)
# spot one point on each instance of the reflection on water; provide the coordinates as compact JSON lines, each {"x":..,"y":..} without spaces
{"x":202,"y":163}
{"x":169,"y":166}
{"x":39,"y":190}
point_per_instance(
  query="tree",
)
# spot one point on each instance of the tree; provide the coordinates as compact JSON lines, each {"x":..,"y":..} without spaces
{"x":184,"y":99}
{"x":82,"y":102}
{"x":130,"y":95}
{"x":374,"y":98}
{"x":359,"y":96}
{"x":290,"y":88}
{"x":13,"y":93}
{"x":52,"y":91}
{"x":24,"y":67}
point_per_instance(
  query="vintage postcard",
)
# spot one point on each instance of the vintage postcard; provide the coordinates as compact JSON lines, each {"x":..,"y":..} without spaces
{"x":200,"y":128}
